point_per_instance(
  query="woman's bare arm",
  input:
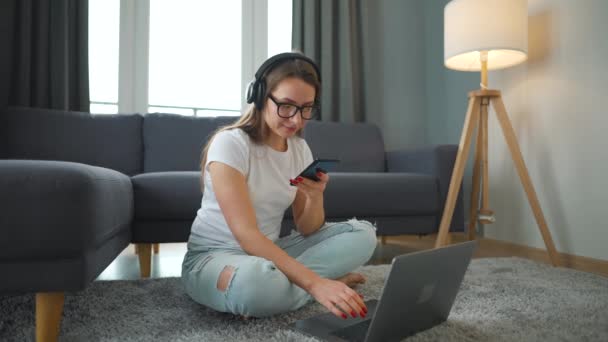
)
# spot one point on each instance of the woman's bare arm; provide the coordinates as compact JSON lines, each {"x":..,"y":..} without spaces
{"x":308,"y":207}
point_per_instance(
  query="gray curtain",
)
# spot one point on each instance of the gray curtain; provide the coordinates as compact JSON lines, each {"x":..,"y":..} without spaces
{"x":44,"y":59}
{"x":331,"y":33}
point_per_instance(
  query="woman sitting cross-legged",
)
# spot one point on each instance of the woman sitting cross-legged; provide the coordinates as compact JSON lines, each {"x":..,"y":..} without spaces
{"x":236,"y":261}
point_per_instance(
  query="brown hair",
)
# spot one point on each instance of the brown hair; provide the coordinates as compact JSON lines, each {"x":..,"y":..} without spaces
{"x":253,"y":122}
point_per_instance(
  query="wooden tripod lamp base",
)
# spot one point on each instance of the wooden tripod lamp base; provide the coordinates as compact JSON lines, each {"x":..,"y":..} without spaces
{"x":477,"y":115}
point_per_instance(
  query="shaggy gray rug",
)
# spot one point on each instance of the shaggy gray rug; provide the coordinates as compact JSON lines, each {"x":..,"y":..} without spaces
{"x":501,"y":299}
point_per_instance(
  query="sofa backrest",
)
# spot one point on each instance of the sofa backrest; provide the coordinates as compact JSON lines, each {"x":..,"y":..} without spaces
{"x":174,"y":142}
{"x":155,"y":142}
{"x":111,"y":141}
{"x":359,"y":146}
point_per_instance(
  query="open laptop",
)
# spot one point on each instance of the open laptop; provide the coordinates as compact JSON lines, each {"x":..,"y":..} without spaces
{"x":418,"y":294}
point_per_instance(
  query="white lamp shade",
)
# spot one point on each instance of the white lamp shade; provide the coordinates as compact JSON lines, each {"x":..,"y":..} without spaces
{"x":499,"y":27}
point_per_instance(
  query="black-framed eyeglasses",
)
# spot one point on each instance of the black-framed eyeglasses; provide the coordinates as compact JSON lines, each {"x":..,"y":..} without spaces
{"x":287,"y":110}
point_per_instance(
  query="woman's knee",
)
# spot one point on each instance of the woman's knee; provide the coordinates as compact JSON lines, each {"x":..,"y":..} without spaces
{"x":258,"y":289}
{"x":367,"y":231}
{"x":225,"y":277}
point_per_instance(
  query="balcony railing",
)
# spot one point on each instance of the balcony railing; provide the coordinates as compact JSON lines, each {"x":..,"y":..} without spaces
{"x":99,"y":107}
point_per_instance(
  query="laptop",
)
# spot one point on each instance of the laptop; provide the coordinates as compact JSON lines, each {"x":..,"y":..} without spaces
{"x":418,"y":294}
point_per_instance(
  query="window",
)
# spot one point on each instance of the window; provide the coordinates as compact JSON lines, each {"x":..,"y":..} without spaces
{"x":188,"y":57}
{"x":103,"y":55}
{"x":279,"y":26}
{"x":195,"y":54}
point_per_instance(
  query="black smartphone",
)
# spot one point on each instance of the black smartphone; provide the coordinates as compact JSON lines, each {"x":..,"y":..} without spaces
{"x":321,"y":165}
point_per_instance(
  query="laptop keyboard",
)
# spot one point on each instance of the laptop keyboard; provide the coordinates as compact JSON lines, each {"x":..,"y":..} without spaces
{"x":355,"y":332}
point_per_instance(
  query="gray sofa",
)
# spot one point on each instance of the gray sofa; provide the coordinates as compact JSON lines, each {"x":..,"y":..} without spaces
{"x":76,"y":189}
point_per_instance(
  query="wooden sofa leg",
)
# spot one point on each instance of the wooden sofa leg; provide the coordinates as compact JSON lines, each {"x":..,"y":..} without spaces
{"x":145,"y":259}
{"x":49,"y":309}
{"x":156,"y":248}
{"x":383,"y":239}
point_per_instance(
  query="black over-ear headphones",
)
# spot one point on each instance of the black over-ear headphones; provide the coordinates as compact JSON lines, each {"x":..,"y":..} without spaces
{"x":256,"y":90}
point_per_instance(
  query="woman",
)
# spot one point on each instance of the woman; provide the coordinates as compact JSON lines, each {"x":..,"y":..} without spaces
{"x":236,"y":261}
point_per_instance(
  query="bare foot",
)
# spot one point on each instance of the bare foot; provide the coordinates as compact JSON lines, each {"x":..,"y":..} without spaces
{"x":352,"y":279}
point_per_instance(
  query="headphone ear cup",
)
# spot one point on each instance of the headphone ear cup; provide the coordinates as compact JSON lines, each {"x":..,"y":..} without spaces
{"x":260,"y":93}
{"x":250,"y":92}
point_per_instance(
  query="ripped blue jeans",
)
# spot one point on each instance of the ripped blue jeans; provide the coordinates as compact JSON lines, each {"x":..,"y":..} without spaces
{"x":257,"y":288}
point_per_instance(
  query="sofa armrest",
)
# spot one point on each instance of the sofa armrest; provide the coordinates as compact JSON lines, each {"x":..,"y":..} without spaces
{"x":55,"y":209}
{"x":437,"y":160}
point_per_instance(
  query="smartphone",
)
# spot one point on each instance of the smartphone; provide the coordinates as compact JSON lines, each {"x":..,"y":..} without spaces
{"x":321,"y":165}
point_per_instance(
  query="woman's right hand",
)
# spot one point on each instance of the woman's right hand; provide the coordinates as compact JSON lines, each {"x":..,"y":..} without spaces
{"x":338,"y":298}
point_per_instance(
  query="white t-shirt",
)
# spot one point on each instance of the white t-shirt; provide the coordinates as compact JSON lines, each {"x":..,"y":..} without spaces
{"x":267,"y":172}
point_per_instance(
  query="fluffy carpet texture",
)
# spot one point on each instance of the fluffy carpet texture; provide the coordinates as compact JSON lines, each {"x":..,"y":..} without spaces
{"x":501,"y":299}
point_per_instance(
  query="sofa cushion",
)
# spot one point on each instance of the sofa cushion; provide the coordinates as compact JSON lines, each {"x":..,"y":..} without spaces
{"x":55,"y":209}
{"x":359,"y":146}
{"x":177,"y":195}
{"x":167,"y":195}
{"x":380,"y":194}
{"x":174,"y":142}
{"x":110,"y":141}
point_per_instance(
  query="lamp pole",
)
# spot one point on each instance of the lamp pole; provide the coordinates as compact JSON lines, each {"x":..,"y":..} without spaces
{"x":483,"y":215}
{"x":483,"y":56}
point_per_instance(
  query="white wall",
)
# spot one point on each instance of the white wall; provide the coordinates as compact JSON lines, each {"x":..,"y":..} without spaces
{"x":557,"y":103}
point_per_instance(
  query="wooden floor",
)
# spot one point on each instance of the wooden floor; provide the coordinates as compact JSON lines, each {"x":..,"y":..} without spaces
{"x":168,"y":262}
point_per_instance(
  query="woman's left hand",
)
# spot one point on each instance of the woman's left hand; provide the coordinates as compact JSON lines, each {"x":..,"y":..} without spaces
{"x":310,"y":188}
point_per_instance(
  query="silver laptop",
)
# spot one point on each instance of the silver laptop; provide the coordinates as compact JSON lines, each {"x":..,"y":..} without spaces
{"x":418,"y":294}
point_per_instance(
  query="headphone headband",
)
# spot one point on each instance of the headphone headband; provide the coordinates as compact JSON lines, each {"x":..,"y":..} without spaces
{"x":256,"y":90}
{"x":276,"y":59}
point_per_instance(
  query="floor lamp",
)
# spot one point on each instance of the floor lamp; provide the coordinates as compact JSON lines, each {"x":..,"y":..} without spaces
{"x":482,"y":35}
